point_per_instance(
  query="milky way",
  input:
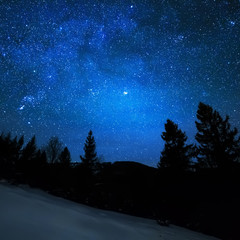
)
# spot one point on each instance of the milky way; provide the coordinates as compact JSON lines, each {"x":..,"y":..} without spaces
{"x":120,"y":68}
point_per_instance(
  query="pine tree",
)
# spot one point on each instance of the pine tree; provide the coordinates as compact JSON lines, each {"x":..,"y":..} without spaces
{"x":90,"y":160}
{"x":10,"y":150}
{"x":176,"y":154}
{"x":30,"y":150}
{"x":15,"y":148}
{"x":28,"y":156}
{"x":218,"y":144}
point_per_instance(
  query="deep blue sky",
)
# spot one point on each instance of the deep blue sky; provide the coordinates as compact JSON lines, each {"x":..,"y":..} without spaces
{"x":120,"y":68}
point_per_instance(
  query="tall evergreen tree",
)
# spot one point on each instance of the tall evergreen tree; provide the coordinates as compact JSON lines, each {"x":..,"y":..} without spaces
{"x":30,"y":150}
{"x":218,"y":143}
{"x":176,"y":154}
{"x":29,"y":153}
{"x":10,"y":150}
{"x":90,"y":160}
{"x":15,"y":150}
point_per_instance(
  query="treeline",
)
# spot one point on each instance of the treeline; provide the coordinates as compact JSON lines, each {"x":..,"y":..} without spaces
{"x":195,"y":186}
{"x":218,"y":145}
{"x":16,"y":160}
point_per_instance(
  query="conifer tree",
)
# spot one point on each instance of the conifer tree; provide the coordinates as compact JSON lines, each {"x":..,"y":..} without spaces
{"x":28,"y":153}
{"x":10,"y":150}
{"x":15,"y":148}
{"x":28,"y":156}
{"x":218,"y":143}
{"x":90,"y":160}
{"x":176,"y":154}
{"x":30,"y":150}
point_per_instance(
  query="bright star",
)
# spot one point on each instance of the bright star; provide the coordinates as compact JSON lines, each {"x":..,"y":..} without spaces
{"x":125,"y":92}
{"x":22,"y":107}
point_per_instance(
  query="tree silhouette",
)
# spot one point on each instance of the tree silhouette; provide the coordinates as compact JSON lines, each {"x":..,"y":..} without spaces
{"x":218,"y":145}
{"x":54,"y":149}
{"x":176,"y":154}
{"x":65,"y":158}
{"x":30,"y":150}
{"x":28,"y":157}
{"x":90,"y":161}
{"x":41,"y":159}
{"x":10,"y":150}
{"x":15,"y":146}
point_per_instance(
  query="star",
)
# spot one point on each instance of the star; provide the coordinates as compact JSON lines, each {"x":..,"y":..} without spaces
{"x":21,"y":107}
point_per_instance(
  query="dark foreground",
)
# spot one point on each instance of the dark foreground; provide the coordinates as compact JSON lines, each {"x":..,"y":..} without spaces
{"x":205,"y":200}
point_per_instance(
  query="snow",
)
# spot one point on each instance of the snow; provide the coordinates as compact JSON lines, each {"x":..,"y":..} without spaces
{"x":27,"y":213}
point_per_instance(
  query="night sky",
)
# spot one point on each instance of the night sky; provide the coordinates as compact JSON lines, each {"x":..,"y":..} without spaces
{"x":120,"y":68}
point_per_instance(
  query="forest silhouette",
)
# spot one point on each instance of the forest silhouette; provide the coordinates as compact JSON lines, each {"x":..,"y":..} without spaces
{"x":194,"y":185}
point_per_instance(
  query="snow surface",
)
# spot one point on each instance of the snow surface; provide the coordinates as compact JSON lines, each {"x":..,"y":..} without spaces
{"x":31,"y":214}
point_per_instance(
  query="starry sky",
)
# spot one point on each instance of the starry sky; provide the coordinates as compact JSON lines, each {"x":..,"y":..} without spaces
{"x":120,"y":68}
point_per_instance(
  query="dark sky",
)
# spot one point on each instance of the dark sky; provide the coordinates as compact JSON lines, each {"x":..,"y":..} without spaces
{"x":120,"y":68}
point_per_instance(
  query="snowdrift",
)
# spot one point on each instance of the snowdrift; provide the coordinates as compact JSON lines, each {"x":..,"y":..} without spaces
{"x":30,"y":214}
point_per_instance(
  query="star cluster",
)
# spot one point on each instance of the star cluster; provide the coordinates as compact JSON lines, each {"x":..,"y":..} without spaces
{"x":120,"y":68}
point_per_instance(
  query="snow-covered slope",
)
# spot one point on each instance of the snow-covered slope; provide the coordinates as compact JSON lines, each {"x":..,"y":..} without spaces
{"x":29,"y":214}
